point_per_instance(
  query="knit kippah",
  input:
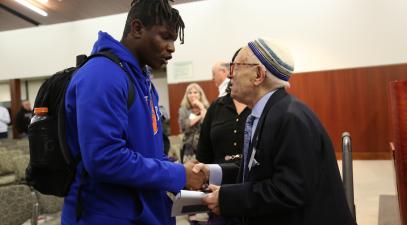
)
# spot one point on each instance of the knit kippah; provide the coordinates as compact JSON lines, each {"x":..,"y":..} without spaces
{"x":276,"y":60}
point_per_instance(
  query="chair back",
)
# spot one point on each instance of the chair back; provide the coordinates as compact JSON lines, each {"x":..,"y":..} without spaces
{"x":347,"y":171}
{"x":16,"y":204}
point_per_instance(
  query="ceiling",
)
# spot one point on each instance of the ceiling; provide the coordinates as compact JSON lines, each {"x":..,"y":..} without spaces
{"x":15,"y":16}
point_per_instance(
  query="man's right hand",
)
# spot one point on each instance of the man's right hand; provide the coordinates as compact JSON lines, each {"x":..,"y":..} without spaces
{"x":202,"y":168}
{"x":195,"y":179}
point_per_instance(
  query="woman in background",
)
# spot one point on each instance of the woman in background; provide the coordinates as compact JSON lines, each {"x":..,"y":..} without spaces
{"x":221,"y":139}
{"x":191,"y":114}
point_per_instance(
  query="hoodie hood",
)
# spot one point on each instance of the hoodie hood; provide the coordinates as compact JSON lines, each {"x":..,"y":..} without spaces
{"x":107,"y":42}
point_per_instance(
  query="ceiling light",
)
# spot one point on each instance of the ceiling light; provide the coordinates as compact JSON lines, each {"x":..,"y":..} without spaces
{"x":32,"y":7}
{"x":43,"y":1}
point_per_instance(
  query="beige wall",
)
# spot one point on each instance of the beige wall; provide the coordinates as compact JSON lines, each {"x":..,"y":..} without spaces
{"x":321,"y":34}
{"x":160,"y":83}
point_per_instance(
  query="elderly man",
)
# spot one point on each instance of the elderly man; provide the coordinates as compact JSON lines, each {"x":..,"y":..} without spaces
{"x":289,"y":174}
{"x":220,"y":73}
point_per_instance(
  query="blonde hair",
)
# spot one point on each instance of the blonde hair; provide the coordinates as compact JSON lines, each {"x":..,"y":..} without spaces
{"x":185,"y":102}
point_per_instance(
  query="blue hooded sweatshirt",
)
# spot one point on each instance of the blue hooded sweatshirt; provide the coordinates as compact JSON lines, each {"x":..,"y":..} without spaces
{"x":121,"y":148}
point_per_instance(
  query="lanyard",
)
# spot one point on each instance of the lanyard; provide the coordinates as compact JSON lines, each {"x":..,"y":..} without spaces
{"x":149,"y":98}
{"x":150,"y":102}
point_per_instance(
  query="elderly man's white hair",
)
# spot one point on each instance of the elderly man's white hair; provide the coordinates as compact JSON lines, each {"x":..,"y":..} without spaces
{"x":221,"y":65}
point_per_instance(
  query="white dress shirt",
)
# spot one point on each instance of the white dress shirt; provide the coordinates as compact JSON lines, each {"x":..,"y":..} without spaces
{"x":222,"y":87}
{"x":4,"y":119}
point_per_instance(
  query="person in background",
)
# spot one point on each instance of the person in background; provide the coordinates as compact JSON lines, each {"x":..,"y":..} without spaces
{"x":191,"y":114}
{"x":123,"y":177}
{"x":289,"y":174}
{"x":221,"y":138}
{"x":4,"y":121}
{"x":165,"y":121}
{"x":220,"y":73}
{"x":23,"y":117}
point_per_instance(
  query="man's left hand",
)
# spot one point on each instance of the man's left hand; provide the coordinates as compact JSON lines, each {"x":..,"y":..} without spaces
{"x":212,"y":199}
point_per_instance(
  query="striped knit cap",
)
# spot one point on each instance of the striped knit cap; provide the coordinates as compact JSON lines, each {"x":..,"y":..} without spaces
{"x":276,"y":60}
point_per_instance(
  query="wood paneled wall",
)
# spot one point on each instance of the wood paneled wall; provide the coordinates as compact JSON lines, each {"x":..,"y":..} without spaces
{"x":353,"y":100}
{"x":15,"y":93}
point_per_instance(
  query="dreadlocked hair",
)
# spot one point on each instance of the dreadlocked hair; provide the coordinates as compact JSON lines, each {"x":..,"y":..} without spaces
{"x":155,"y":12}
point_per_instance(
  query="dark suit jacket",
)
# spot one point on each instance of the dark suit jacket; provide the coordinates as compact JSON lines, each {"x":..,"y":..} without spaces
{"x":296,"y":180}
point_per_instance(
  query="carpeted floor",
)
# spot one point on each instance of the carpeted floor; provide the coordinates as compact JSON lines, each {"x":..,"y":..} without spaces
{"x":388,"y":210}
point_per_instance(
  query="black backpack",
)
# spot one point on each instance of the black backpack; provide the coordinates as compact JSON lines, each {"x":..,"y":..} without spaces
{"x":52,"y":169}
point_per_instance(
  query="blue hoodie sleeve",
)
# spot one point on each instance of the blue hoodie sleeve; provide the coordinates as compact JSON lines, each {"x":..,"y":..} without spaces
{"x":102,"y":123}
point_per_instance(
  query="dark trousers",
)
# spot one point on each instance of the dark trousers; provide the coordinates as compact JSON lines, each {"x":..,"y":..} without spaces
{"x":218,"y":220}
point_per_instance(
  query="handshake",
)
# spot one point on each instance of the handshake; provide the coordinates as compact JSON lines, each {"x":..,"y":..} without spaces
{"x":197,"y":175}
{"x":197,"y":179}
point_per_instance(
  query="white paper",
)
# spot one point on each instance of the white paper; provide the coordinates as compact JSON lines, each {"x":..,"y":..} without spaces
{"x":252,"y":161}
{"x":183,"y":70}
{"x":188,"y":202}
{"x":192,"y":116}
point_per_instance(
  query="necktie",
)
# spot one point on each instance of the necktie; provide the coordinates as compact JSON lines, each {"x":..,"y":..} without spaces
{"x":246,"y":144}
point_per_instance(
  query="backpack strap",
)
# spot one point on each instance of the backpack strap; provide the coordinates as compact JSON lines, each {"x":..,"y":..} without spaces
{"x":80,"y":61}
{"x":116,"y":60}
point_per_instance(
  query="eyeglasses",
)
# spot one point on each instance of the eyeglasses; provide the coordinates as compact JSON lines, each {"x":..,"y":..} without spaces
{"x":233,"y":67}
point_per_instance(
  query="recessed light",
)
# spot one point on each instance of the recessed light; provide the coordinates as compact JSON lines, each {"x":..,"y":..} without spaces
{"x":32,"y":7}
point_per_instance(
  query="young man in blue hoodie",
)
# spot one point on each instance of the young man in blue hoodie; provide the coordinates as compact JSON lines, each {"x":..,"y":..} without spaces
{"x":123,"y":176}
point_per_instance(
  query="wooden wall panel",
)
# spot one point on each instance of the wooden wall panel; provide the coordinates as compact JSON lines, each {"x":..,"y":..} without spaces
{"x":15,"y":92}
{"x":353,"y":100}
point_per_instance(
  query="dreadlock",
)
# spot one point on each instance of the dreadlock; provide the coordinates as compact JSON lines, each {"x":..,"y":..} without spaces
{"x":155,"y":12}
